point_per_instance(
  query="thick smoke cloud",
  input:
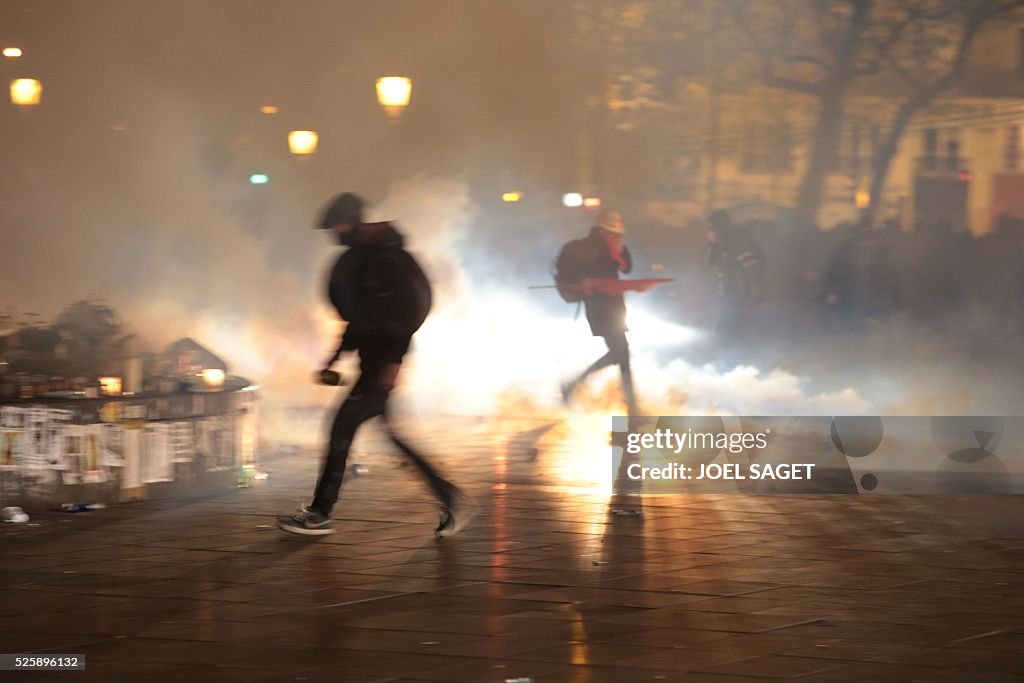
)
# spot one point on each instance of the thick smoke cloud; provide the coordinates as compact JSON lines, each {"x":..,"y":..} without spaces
{"x":492,"y":345}
{"x":157,"y":219}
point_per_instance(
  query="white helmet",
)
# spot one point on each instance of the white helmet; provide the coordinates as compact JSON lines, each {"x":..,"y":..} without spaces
{"x":611,"y":221}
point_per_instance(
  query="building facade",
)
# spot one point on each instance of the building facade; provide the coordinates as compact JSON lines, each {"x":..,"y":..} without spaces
{"x":959,"y":164}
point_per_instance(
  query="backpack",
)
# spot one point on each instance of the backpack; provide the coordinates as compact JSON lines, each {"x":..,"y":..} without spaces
{"x":402,"y":293}
{"x":570,"y":269}
{"x":381,"y":290}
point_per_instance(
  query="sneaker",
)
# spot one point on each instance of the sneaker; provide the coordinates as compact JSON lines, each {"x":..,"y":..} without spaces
{"x":456,"y":515}
{"x":14,"y":515}
{"x":307,"y":522}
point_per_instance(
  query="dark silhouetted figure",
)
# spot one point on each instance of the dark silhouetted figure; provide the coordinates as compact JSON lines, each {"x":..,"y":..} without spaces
{"x":861,"y":280}
{"x":601,"y":255}
{"x":738,"y":262}
{"x":998,"y":280}
{"x":380,"y":290}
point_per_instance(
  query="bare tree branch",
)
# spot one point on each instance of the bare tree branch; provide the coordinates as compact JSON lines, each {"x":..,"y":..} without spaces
{"x":902,"y":73}
{"x":765,"y":58}
{"x":973,"y":21}
{"x":884,"y":47}
{"x":807,"y":59}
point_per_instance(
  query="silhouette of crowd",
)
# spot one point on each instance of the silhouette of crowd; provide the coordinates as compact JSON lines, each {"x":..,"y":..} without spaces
{"x":933,"y":273}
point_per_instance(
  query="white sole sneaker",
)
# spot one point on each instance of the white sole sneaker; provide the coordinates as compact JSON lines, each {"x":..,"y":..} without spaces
{"x":292,"y":526}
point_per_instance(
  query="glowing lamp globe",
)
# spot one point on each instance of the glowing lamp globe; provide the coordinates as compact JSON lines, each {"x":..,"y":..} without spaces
{"x":26,"y":92}
{"x":393,"y":93}
{"x":302,"y":141}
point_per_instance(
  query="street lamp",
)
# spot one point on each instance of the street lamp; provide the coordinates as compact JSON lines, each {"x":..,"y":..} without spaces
{"x":12,"y":52}
{"x":393,"y":94}
{"x":572,"y":199}
{"x":26,"y":91}
{"x":302,"y":141}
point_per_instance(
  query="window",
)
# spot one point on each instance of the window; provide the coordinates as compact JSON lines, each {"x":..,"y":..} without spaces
{"x":1011,"y":148}
{"x":1020,"y":51}
{"x":931,"y":142}
{"x":941,"y":150}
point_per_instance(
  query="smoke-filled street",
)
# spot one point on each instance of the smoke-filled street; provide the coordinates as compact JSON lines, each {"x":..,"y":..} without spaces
{"x":546,"y":340}
{"x":549,"y":584}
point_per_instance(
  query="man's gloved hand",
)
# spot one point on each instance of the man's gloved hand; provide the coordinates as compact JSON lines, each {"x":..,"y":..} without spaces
{"x":330,"y":378}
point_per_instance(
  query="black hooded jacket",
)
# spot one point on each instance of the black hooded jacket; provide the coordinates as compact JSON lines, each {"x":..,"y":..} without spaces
{"x":381,"y":291}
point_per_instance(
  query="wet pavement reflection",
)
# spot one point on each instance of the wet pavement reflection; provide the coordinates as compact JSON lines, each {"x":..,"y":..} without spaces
{"x":553,"y":581}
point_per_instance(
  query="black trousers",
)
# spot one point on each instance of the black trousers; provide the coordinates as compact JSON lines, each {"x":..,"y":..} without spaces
{"x":618,"y":354}
{"x":366,"y":401}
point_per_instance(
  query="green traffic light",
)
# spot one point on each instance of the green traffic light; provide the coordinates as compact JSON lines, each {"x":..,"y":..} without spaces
{"x":259,"y":179}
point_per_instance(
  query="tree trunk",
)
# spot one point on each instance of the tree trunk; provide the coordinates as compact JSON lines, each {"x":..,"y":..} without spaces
{"x":827,"y":129}
{"x":882,"y":159}
{"x":822,"y":156}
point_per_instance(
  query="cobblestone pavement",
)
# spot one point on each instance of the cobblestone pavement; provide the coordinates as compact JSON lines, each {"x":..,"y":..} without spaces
{"x":547,"y":584}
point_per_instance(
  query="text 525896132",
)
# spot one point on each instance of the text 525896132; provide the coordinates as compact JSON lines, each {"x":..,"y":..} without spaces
{"x":42,"y":662}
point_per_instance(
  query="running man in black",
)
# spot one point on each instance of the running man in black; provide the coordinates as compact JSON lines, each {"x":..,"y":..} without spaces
{"x":383,"y":294}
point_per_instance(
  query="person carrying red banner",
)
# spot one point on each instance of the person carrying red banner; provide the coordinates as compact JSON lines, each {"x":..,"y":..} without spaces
{"x":583,"y":268}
